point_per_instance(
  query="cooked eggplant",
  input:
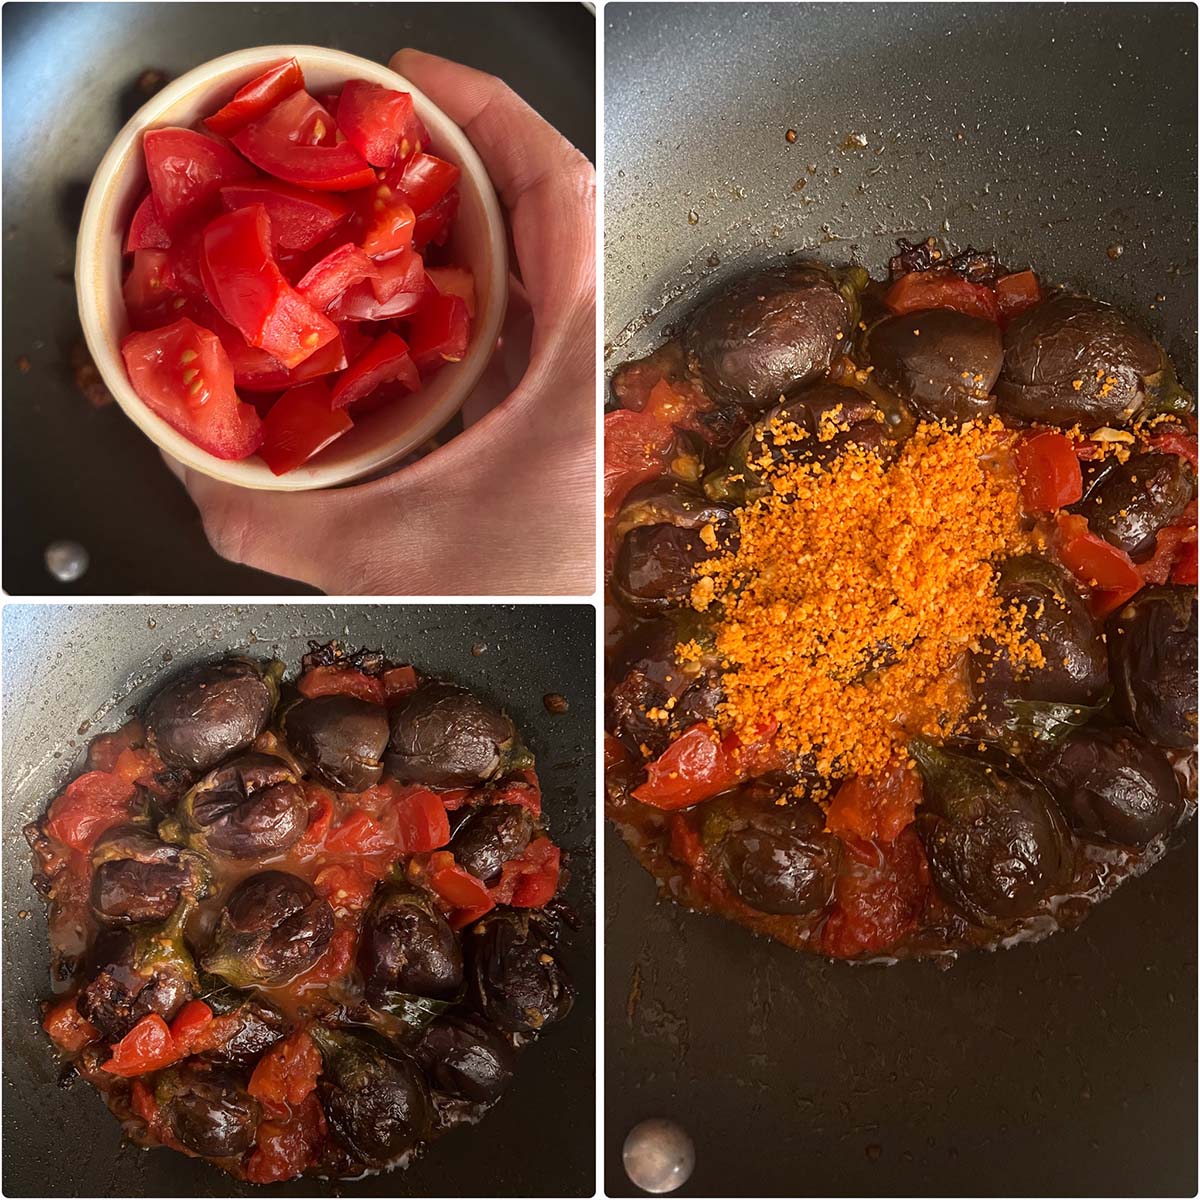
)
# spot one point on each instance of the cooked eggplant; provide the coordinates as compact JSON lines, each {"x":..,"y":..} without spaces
{"x":467,"y":1058}
{"x":136,"y":877}
{"x":490,"y":836}
{"x":407,"y":946}
{"x":340,"y":739}
{"x":1137,"y":498}
{"x":207,"y":1109}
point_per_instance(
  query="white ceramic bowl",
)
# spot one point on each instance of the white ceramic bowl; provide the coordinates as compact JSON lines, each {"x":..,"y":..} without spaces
{"x":477,"y":241}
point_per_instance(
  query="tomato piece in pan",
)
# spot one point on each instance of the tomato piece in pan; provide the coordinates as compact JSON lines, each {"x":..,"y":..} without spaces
{"x":1049,"y":468}
{"x":257,"y":97}
{"x":182,"y":373}
{"x":300,"y":219}
{"x":300,"y":423}
{"x":291,"y":143}
{"x":921,"y":290}
{"x":187,"y":169}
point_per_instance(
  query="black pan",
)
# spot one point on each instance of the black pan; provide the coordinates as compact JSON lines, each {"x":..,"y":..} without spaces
{"x":1051,"y":133}
{"x":70,"y":74}
{"x":68,"y":665}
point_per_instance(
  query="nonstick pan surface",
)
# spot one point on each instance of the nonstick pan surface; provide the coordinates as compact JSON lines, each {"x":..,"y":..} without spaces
{"x":70,"y":75}
{"x":65,"y":666}
{"x":1052,"y":133}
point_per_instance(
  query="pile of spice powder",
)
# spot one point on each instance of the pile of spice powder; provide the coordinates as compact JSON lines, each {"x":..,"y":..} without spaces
{"x":856,"y":590}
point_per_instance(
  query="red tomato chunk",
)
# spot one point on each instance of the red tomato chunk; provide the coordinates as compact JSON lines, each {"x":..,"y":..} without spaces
{"x":288,"y":261}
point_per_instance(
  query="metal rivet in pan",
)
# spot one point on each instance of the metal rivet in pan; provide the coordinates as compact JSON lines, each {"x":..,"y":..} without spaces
{"x":67,"y":561}
{"x":658,"y":1155}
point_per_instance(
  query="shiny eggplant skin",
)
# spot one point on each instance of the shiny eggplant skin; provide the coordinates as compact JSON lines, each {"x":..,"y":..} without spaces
{"x":340,"y":739}
{"x":465,"y":1057}
{"x":1111,"y":783}
{"x":769,"y":334}
{"x":997,"y":846}
{"x":490,"y":836}
{"x":1152,"y":656}
{"x":408,"y":946}
{"x":136,"y":877}
{"x":207,"y":1109}
{"x":445,"y":736}
{"x":1137,"y":498}
{"x":514,"y":978}
{"x":941,"y":362}
{"x":1075,"y":361}
{"x":273,"y":928}
{"x":210,"y":712}
{"x":776,"y":858}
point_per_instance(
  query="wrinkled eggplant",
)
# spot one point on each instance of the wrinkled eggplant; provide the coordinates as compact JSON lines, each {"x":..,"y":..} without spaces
{"x":996,"y":844}
{"x":1152,"y":656}
{"x":250,"y":808}
{"x":1074,"y":361}
{"x":377,"y":1104}
{"x":273,"y":928}
{"x":1137,"y":498}
{"x":445,"y":736}
{"x":340,"y":739}
{"x":466,"y":1058}
{"x":212,"y":711}
{"x":207,"y":1109}
{"x":514,"y":978}
{"x":660,"y":543}
{"x":138,"y":970}
{"x":943,"y":363}
{"x":1056,"y":618}
{"x":490,"y":836}
{"x":776,"y":858}
{"x":408,"y":946}
{"x":1111,"y":783}
{"x":136,"y":877}
{"x":772,"y":332}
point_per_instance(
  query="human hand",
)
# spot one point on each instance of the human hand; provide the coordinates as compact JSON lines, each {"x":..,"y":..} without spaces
{"x":508,"y":506}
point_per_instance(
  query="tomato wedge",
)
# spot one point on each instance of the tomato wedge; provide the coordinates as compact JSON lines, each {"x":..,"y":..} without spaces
{"x":389,"y":225}
{"x":421,"y":822}
{"x":287,"y":1073}
{"x":248,"y":289}
{"x":187,"y":169}
{"x":299,"y":425}
{"x":300,"y":219}
{"x":440,"y":332}
{"x":257,"y":97}
{"x":341,"y":680}
{"x":149,"y":289}
{"x":425,"y":179}
{"x":287,"y":142}
{"x":387,"y":360}
{"x":1109,"y":572}
{"x":433,"y":225}
{"x":922,"y":290}
{"x":1049,"y":468}
{"x":146,"y":230}
{"x":1015,"y":293}
{"x":182,"y":373}
{"x":876,"y":808}
{"x":190,"y":1026}
{"x":454,"y":281}
{"x":335,"y":275}
{"x":69,"y":1030}
{"x":378,"y":122}
{"x":148,"y":1046}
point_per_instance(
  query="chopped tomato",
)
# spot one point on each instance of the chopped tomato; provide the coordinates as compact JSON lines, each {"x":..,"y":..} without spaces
{"x":320,"y":814}
{"x":439,"y":332}
{"x":190,"y":1025}
{"x":459,"y":889}
{"x":387,"y":360}
{"x":1049,"y":468}
{"x":287,"y":1073}
{"x":287,"y":142}
{"x":426,"y":179}
{"x":399,"y":681}
{"x":879,"y":895}
{"x":248,"y":289}
{"x":538,"y":879}
{"x":142,"y":1101}
{"x":335,"y":963}
{"x":149,"y":290}
{"x":300,"y":219}
{"x":637,"y":444}
{"x":299,"y":425}
{"x":182,"y":373}
{"x":398,"y":288}
{"x":87,"y":806}
{"x":1184,"y":571}
{"x":421,"y":821}
{"x":214,"y":1034}
{"x":377,"y":121}
{"x":1015,"y":293}
{"x":359,"y":834}
{"x":454,"y":281}
{"x":105,"y":750}
{"x":876,"y":807}
{"x":921,"y":290}
{"x":187,"y":169}
{"x":148,"y":1046}
{"x":341,"y":680}
{"x":256,"y":371}
{"x":390,"y":224}
{"x":694,"y":767}
{"x":455,"y":798}
{"x":285,"y":1149}
{"x":1175,"y":441}
{"x":524,"y":790}
{"x":347,"y":889}
{"x":684,"y":842}
{"x":68,"y":1029}
{"x":137,"y":766}
{"x":335,"y":275}
{"x":257,"y":97}
{"x":433,"y":225}
{"x":1174,"y":546}
{"x":146,"y":230}
{"x":1108,"y":571}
